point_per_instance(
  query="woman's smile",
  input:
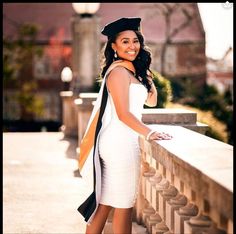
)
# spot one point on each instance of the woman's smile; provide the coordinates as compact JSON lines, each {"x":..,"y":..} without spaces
{"x":127,"y":45}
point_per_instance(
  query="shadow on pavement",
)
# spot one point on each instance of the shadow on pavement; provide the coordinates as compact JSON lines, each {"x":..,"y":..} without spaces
{"x":71,"y":151}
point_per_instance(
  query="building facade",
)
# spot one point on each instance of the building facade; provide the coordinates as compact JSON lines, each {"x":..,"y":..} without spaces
{"x":172,"y":31}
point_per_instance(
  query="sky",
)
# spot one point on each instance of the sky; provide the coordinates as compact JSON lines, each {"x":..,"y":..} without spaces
{"x":217,"y":19}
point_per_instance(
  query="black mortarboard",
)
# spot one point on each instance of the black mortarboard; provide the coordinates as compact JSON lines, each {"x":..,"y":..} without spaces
{"x":120,"y":25}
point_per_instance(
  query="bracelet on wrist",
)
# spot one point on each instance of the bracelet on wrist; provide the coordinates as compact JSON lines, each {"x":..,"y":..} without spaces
{"x":149,"y":134}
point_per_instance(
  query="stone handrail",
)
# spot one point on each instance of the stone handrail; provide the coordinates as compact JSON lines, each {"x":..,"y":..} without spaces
{"x":179,"y":117}
{"x":186,"y":184}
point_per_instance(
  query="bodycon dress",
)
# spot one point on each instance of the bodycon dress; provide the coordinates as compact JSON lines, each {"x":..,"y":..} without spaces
{"x":120,"y":155}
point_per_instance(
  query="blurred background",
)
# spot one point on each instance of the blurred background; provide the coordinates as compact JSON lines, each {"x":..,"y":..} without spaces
{"x":53,"y":50}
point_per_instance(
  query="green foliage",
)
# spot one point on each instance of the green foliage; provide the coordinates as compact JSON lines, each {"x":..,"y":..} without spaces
{"x":28,"y":99}
{"x":164,"y":90}
{"x":17,"y":68}
{"x":216,"y":128}
{"x":206,"y":98}
{"x":184,"y":91}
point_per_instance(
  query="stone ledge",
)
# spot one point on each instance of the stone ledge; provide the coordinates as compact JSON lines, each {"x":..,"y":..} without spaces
{"x":169,"y":116}
{"x":198,"y":127}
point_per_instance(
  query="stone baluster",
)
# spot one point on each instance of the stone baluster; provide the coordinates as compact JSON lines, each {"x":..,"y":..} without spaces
{"x":184,"y":213}
{"x":160,"y":228}
{"x":146,"y":175}
{"x":171,"y":206}
{"x":150,"y":182}
{"x":156,"y":179}
{"x":141,"y":202}
{"x":163,"y":184}
{"x":201,"y":224}
{"x":153,"y":220}
{"x":146,"y":213}
{"x":164,"y":196}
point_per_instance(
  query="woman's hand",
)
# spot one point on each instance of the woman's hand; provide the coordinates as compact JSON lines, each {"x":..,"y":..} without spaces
{"x":160,"y":136}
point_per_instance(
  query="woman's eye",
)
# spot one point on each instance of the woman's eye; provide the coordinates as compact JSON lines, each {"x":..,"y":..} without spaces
{"x":126,"y":42}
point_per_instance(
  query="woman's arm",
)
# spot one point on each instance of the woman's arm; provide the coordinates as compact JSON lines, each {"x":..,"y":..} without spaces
{"x":118,"y":83}
{"x":152,"y":94}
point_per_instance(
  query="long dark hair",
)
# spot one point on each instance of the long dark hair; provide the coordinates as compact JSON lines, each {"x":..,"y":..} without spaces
{"x":141,"y":63}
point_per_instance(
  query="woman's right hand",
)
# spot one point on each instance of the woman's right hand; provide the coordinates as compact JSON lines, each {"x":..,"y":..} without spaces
{"x":160,"y":136}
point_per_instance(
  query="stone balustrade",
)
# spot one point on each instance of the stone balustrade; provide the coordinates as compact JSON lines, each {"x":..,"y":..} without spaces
{"x":186,"y":184}
{"x":69,"y":115}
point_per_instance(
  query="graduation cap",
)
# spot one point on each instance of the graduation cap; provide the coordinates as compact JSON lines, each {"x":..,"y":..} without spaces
{"x":120,"y":25}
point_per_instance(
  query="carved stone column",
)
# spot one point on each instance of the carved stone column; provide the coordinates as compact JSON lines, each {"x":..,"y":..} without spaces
{"x":153,"y":220}
{"x":141,"y":202}
{"x":184,"y":213}
{"x":160,"y":228}
{"x":156,"y":179}
{"x":164,"y":196}
{"x":146,"y":213}
{"x":171,"y":206}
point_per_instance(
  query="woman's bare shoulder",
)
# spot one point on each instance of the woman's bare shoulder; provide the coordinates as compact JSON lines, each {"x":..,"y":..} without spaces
{"x":119,"y":72}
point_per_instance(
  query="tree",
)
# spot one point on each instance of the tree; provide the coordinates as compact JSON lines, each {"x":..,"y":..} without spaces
{"x":17,"y":69}
{"x":167,"y":10}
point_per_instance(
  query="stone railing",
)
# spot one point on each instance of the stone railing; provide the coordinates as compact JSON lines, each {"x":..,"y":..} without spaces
{"x":179,"y":117}
{"x":186,"y":184}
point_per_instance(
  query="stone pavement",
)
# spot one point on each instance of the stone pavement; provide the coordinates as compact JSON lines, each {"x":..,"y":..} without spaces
{"x":40,"y":192}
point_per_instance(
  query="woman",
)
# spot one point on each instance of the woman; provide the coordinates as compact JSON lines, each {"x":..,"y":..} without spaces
{"x":127,"y":86}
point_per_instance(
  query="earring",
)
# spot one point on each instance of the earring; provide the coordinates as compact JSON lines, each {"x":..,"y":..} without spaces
{"x":115,"y":54}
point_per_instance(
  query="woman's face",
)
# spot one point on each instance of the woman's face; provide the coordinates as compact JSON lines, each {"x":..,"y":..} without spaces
{"x":127,"y":45}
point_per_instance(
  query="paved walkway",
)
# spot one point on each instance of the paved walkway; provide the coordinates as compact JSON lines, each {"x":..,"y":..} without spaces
{"x":40,"y":192}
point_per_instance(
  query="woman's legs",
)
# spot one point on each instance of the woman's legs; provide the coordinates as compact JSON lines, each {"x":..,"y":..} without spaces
{"x":99,"y":220}
{"x":122,"y":221}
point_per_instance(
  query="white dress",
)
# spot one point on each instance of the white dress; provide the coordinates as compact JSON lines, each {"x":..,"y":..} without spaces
{"x":120,"y":155}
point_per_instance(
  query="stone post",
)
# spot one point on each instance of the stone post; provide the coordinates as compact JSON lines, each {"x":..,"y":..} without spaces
{"x":85,"y":104}
{"x":69,"y":115}
{"x":86,"y":49}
